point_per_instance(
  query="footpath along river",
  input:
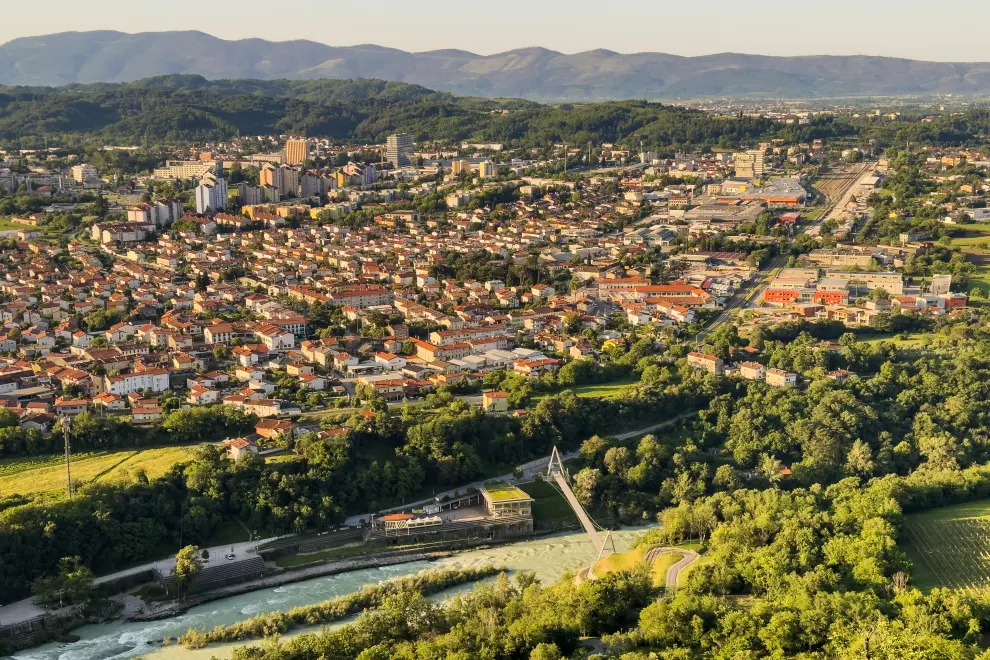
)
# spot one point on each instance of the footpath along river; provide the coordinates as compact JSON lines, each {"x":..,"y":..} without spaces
{"x":549,"y":557}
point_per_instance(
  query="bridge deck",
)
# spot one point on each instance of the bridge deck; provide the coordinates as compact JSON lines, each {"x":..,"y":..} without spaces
{"x":582,"y":515}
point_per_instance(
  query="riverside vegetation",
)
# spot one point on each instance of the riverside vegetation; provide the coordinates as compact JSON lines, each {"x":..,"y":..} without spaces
{"x":277,"y":623}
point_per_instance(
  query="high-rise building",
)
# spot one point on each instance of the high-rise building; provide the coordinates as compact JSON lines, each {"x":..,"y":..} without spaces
{"x":399,"y":149}
{"x":459,"y":165}
{"x":284,"y":178}
{"x":211,"y":194}
{"x":750,"y":164}
{"x":312,"y":185}
{"x":250,"y":195}
{"x":82,"y":172}
{"x":297,"y":151}
{"x":486,"y":169}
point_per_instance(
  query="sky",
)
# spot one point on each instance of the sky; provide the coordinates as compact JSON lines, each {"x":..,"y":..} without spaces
{"x":947,"y":30}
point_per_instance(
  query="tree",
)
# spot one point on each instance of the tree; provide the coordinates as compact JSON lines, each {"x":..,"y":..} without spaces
{"x":586,"y":484}
{"x":859,"y":462}
{"x":188,"y":564}
{"x":72,"y":584}
{"x":545,"y":651}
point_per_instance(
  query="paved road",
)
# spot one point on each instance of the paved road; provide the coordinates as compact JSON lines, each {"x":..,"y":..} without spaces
{"x":674,"y":572}
{"x":753,"y":291}
{"x":25,"y":610}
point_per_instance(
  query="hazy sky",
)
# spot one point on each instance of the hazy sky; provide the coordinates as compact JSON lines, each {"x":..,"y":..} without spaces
{"x":946,"y":30}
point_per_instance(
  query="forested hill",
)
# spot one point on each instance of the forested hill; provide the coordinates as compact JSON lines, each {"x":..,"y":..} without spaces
{"x":534,"y":73}
{"x":183,"y":108}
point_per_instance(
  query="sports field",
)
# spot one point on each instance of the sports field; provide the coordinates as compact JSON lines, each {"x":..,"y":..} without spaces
{"x":45,"y":475}
{"x":950,"y":546}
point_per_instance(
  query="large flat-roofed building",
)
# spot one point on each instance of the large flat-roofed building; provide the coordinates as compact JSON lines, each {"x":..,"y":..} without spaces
{"x":892,"y":283}
{"x":399,"y":149}
{"x":184,"y":169}
{"x":505,"y":500}
{"x":798,"y":273}
{"x":841,"y":258}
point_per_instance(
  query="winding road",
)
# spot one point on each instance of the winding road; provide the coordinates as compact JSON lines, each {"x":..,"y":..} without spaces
{"x":674,"y":572}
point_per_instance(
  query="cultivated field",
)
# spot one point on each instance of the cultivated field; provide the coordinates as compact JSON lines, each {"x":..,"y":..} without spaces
{"x":950,"y":546}
{"x":44,"y":475}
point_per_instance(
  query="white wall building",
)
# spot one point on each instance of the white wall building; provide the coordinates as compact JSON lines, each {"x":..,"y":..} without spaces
{"x":211,"y":194}
{"x":153,"y":380}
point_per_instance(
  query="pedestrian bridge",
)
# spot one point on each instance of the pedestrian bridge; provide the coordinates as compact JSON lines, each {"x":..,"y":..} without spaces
{"x":558,"y":473}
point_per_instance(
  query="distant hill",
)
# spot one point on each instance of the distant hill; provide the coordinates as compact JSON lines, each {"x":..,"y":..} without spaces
{"x":530,"y":73}
{"x":178,"y":108}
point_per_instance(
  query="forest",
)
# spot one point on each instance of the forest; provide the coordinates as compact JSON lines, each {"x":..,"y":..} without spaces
{"x":178,"y":109}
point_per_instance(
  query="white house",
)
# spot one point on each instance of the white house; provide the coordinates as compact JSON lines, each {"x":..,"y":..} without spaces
{"x":153,"y":380}
{"x":390,"y":361}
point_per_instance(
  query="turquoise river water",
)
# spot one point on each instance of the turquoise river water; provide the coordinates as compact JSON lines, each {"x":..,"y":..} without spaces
{"x":549,"y":557}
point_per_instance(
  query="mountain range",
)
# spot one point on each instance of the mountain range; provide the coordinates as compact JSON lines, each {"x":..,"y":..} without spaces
{"x":530,"y":73}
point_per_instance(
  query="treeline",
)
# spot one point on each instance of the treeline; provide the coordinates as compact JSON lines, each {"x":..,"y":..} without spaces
{"x":503,"y":620}
{"x":426,"y":583}
{"x":188,"y":108}
{"x":908,"y":412}
{"x":90,"y":431}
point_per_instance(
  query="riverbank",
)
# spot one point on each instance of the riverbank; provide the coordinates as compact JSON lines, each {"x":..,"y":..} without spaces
{"x":136,"y":610}
{"x":550,"y":557}
{"x":290,"y":576}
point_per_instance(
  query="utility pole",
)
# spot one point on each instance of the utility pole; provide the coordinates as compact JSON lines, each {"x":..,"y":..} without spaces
{"x":68,"y":456}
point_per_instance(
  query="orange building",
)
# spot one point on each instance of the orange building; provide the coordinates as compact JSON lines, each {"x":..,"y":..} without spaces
{"x":782,"y":296}
{"x":831,"y":297}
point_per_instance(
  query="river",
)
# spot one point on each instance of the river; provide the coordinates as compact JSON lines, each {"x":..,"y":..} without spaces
{"x":549,"y":557}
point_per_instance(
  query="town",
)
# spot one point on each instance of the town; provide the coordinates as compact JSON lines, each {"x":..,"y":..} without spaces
{"x":300,"y":288}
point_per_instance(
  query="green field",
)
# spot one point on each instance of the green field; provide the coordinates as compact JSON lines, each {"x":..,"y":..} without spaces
{"x":950,"y":546}
{"x":548,"y":504}
{"x":909,"y":340}
{"x":628,"y":561}
{"x":228,"y":533}
{"x":599,"y":390}
{"x":551,"y":510}
{"x":6,"y":225}
{"x":45,"y":475}
{"x":974,"y":241}
{"x":972,"y":237}
{"x":981,"y":280}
